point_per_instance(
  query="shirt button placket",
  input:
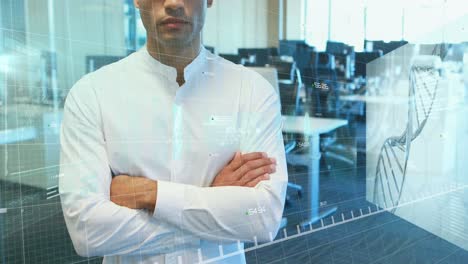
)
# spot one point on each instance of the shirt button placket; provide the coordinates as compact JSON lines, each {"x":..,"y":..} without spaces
{"x":176,"y":131}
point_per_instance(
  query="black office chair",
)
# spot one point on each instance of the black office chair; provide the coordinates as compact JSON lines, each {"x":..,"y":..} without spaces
{"x":305,"y":61}
{"x":290,"y":105}
{"x":317,"y":68}
{"x":327,"y":76}
{"x":288,"y":47}
{"x":322,"y":102}
{"x":344,"y":59}
{"x":284,"y":68}
{"x":290,"y":97}
{"x":302,"y":54}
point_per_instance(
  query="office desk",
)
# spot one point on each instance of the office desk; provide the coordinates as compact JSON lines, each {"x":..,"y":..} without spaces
{"x":378,"y":99}
{"x":312,"y":127}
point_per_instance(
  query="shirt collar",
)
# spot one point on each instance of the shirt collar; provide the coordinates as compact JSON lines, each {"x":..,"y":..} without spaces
{"x":196,"y":65}
{"x":170,"y":72}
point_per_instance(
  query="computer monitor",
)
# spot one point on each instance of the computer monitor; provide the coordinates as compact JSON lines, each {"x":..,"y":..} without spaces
{"x":255,"y":56}
{"x":231,"y":57}
{"x":344,"y":58}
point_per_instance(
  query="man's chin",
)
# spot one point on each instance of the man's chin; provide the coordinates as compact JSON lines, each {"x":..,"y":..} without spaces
{"x":174,"y":41}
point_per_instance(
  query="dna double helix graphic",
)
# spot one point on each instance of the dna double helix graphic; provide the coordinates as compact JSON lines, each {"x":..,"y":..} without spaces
{"x":391,"y":170}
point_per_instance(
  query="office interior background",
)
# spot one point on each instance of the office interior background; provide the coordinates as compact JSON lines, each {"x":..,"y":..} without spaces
{"x":377,"y":166}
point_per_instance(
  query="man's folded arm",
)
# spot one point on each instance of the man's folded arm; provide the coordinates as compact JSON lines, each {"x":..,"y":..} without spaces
{"x":235,"y":213}
{"x":96,"y":225}
{"x":223,"y":214}
{"x":100,"y":227}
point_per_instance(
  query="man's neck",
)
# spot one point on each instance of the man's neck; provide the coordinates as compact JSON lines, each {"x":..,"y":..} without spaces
{"x":174,"y":56}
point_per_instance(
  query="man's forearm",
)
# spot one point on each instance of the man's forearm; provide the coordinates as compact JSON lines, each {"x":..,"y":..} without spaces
{"x":134,"y":192}
{"x":207,"y":207}
{"x":150,"y":194}
{"x":220,"y":213}
{"x":244,"y":170}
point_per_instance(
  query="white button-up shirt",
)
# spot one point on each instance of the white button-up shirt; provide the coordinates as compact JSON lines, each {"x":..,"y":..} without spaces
{"x":132,"y":118}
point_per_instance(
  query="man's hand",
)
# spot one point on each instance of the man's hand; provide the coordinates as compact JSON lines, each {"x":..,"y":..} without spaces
{"x":134,"y":192}
{"x":246,"y":170}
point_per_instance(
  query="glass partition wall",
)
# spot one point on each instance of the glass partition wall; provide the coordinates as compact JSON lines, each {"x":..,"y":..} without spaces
{"x":45,"y":47}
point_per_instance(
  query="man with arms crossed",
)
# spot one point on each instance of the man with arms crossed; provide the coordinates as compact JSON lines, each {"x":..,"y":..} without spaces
{"x":171,"y":150}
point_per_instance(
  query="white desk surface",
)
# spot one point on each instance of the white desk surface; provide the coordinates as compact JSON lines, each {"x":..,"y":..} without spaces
{"x":379,"y":99}
{"x":312,"y":125}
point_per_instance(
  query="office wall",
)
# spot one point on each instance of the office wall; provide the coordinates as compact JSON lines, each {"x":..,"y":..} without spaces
{"x":242,"y":24}
{"x":294,"y":19}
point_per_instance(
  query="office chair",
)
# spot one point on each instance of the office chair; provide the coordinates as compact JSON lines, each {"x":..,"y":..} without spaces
{"x":290,"y":104}
{"x":284,"y":68}
{"x":290,"y":97}
{"x":305,"y":61}
{"x":331,"y":108}
{"x":344,"y":57}
{"x":288,"y":47}
{"x":326,"y":74}
{"x":317,"y":68}
{"x":302,"y":55}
